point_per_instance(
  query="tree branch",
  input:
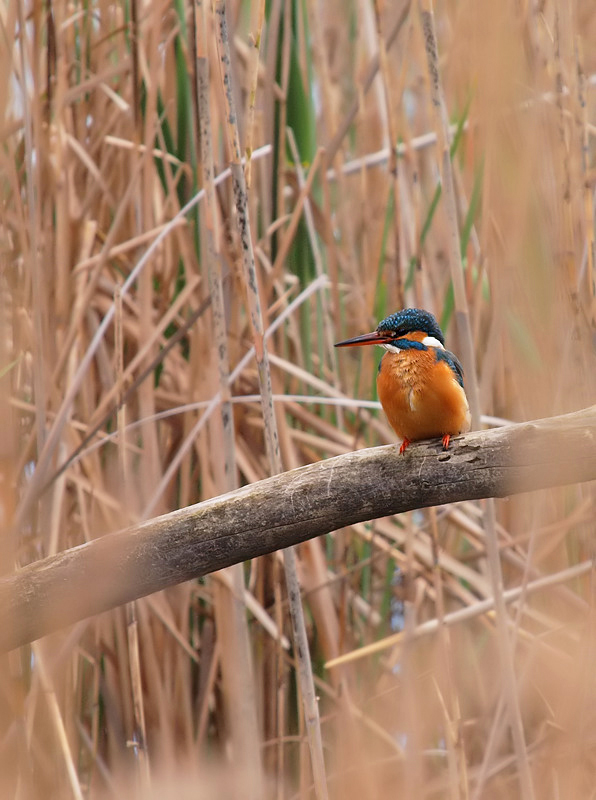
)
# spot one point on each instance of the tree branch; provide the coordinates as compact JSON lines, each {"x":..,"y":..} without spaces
{"x":288,"y":509}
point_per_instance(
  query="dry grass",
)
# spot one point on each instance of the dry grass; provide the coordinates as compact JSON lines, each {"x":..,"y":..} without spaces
{"x":107,"y":301}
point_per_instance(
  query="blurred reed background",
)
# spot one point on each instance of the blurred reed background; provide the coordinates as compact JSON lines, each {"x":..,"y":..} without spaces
{"x":102,"y":146}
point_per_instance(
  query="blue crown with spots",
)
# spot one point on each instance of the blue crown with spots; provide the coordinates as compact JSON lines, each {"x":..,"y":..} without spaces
{"x":412,"y":319}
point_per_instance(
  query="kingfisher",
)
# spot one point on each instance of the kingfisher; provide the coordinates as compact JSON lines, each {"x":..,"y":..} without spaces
{"x":420,"y":383}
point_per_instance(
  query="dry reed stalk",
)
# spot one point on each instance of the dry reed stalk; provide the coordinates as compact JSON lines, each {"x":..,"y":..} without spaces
{"x":49,"y":693}
{"x":448,"y":186}
{"x":33,"y":143}
{"x":140,"y":732}
{"x":252,"y":97}
{"x":389,"y":116}
{"x":311,"y":712}
{"x":456,"y":756}
{"x":461,"y":304}
{"x":229,"y":601}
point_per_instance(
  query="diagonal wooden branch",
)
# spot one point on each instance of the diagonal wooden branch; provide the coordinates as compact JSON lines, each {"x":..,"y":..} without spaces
{"x":288,"y":509}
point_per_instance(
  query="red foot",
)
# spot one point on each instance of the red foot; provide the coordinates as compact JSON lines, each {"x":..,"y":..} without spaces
{"x":446,"y":440}
{"x":404,"y":446}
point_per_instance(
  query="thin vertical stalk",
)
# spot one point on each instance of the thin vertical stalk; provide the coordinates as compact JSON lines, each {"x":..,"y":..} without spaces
{"x":454,"y":249}
{"x":588,"y":190}
{"x":136,"y":685}
{"x":311,"y":709}
{"x":500,"y":716}
{"x":32,"y":161}
{"x":456,"y":757}
{"x":282,"y":109}
{"x":567,"y":189}
{"x":252,"y":97}
{"x":121,"y":413}
{"x":243,"y":224}
{"x":145,"y":127}
{"x":413,"y":769}
{"x":282,"y":685}
{"x":132,"y":624}
{"x":230,"y":612}
{"x":505,"y":651}
{"x":393,"y":164}
{"x":149,"y":465}
{"x":463,"y":317}
{"x":57,"y":720}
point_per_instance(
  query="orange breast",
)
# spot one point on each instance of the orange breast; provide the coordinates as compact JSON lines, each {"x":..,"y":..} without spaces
{"x":421,"y":396}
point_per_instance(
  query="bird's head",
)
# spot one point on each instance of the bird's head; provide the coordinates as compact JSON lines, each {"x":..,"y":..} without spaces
{"x":400,"y":325}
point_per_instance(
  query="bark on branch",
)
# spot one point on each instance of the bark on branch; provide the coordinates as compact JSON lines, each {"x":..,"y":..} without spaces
{"x":288,"y":509}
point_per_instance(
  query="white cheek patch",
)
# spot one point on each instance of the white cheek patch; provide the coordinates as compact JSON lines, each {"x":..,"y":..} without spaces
{"x":391,"y":347}
{"x":430,"y":341}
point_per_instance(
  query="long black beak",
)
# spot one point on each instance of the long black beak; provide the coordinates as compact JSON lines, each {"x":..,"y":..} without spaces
{"x":367,"y":338}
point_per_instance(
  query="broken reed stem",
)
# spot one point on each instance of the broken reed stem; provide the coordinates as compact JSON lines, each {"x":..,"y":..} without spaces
{"x":461,"y":304}
{"x":230,"y":613}
{"x":311,"y":709}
